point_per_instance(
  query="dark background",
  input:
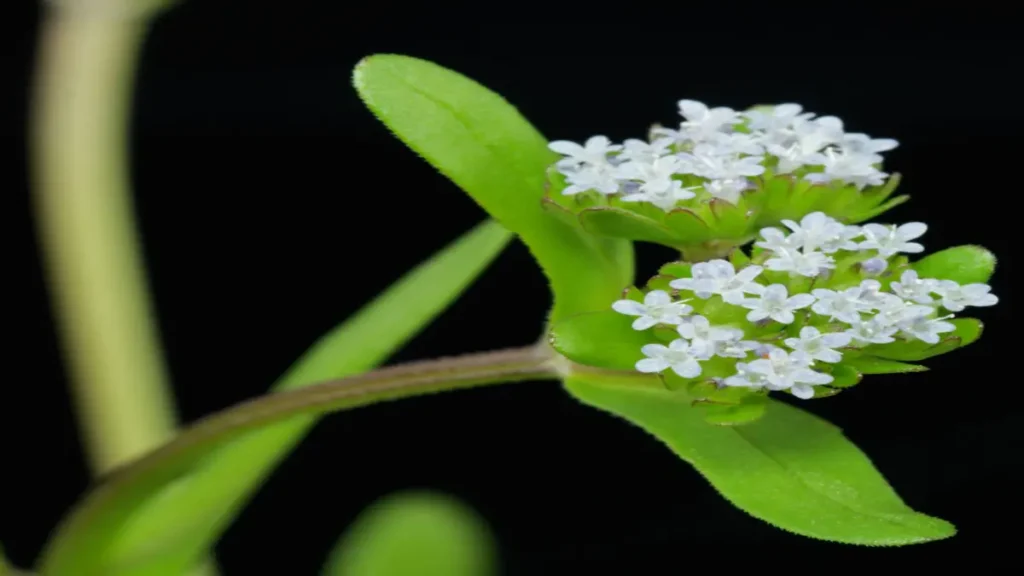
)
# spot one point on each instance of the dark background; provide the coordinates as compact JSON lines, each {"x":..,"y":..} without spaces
{"x":254,"y":162}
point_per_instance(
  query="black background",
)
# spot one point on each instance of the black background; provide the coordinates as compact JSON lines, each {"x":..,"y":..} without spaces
{"x":272,"y":205}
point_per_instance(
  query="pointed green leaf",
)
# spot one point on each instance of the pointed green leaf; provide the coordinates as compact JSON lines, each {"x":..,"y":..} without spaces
{"x":968,"y":330}
{"x":619,"y":223}
{"x":844,"y":376}
{"x":600,"y":339}
{"x":161,"y":526}
{"x":483,"y":144}
{"x":873,"y":365}
{"x":962,"y":264}
{"x":788,"y":468}
{"x":687,"y":227}
{"x":912,"y":350}
{"x":878,"y":210}
{"x":415,"y":534}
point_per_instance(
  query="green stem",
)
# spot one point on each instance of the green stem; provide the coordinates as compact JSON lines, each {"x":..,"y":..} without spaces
{"x":88,"y":54}
{"x":84,"y":214}
{"x":82,"y":543}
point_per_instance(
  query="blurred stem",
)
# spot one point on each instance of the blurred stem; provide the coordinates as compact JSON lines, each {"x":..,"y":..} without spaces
{"x":79,"y":139}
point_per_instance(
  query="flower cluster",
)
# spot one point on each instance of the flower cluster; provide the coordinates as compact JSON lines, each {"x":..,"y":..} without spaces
{"x":715,"y":152}
{"x":798,"y":304}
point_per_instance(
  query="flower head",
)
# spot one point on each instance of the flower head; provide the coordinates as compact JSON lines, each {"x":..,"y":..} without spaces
{"x":657,"y":308}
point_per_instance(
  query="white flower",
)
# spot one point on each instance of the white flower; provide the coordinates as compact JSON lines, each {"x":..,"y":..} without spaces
{"x":856,"y":169}
{"x":677,"y":355}
{"x":926,"y":329}
{"x":892,"y":309}
{"x":735,"y":347}
{"x":819,"y":346}
{"x":732,"y":143}
{"x":864,"y":144}
{"x":845,"y":306}
{"x":956,"y":297}
{"x":720,"y":277}
{"x":665,"y":198}
{"x":708,"y":162}
{"x":635,"y":150}
{"x":745,"y":377}
{"x":775,"y":303}
{"x":874,"y":265}
{"x":872,"y":331}
{"x":817,"y":231}
{"x":705,"y":337}
{"x":594,"y":151}
{"x":915,"y":289}
{"x":777,"y":241}
{"x":701,"y":121}
{"x":779,"y":118}
{"x":891,"y":240}
{"x":653,"y":176}
{"x":599,"y":177}
{"x":800,"y":262}
{"x":784,"y":371}
{"x":657,"y":308}
{"x":728,"y":190}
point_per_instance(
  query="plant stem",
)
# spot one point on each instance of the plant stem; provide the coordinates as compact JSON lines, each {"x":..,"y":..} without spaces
{"x":88,"y":53}
{"x":81,"y":544}
{"x":84,"y":215}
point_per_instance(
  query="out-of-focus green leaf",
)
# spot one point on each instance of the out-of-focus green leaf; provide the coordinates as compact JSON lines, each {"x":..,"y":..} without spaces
{"x":415,"y":534}
{"x":788,"y":468}
{"x":485,"y":146}
{"x":160,"y":525}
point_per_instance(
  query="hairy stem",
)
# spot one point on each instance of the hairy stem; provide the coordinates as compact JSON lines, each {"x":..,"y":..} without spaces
{"x":88,"y":532}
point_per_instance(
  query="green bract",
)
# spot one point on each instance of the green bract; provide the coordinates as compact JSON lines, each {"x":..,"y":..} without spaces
{"x":706,"y":225}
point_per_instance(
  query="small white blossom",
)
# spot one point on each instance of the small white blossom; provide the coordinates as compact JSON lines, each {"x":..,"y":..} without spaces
{"x":864,"y":144}
{"x":817,"y":231}
{"x":703,"y":336}
{"x":779,"y":118}
{"x":598,"y":177}
{"x":720,"y":277}
{"x":844,"y":305}
{"x":784,"y":371}
{"x":891,"y":309}
{"x":856,"y":169}
{"x":735,"y":347}
{"x":594,"y":151}
{"x":746,"y":377}
{"x":728,"y":190}
{"x":775,"y":303}
{"x":665,"y":198}
{"x":701,"y":122}
{"x":926,"y":329}
{"x":915,"y":289}
{"x":891,"y":240}
{"x":802,"y":262}
{"x":819,"y":346}
{"x":874,"y":266}
{"x":653,"y":176}
{"x":872,"y":331}
{"x":635,"y":150}
{"x":956,"y":298}
{"x":677,"y":356}
{"x":657,"y":308}
{"x":777,"y":241}
{"x":733,"y":143}
{"x":708,"y":162}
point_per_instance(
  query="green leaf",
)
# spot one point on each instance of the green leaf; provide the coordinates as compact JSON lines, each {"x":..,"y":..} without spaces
{"x":600,"y":339}
{"x":484,"y":145}
{"x":619,"y":223}
{"x":415,"y":534}
{"x":967,"y":331}
{"x":872,"y":365}
{"x":160,"y":527}
{"x":788,"y":468}
{"x":963,"y":264}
